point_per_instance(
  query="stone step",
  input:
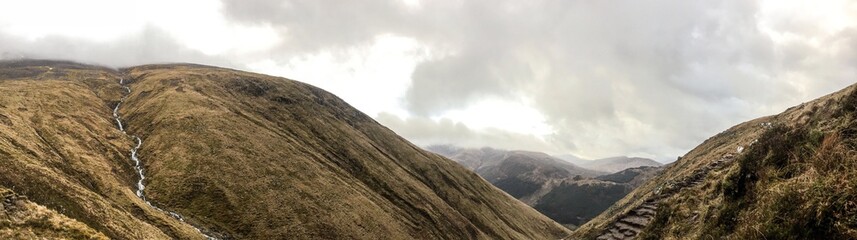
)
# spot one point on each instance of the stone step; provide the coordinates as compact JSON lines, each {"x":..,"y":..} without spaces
{"x":625,"y":227}
{"x":630,"y":234}
{"x":639,"y":221}
{"x":605,"y":237}
{"x":616,"y":234}
{"x":649,"y":206}
{"x":644,"y":212}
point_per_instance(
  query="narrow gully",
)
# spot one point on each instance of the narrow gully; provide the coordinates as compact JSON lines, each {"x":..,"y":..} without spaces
{"x":138,"y":165}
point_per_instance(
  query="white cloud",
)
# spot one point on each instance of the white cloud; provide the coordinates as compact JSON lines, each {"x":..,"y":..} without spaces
{"x":97,"y":20}
{"x":372,"y":76}
{"x":196,"y":24}
{"x":500,"y":114}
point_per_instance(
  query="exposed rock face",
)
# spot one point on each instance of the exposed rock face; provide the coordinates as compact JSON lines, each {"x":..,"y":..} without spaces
{"x":244,"y":155}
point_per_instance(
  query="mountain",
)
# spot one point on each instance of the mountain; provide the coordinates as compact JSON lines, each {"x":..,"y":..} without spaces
{"x":787,"y":176}
{"x":612,"y":164}
{"x":573,"y":159}
{"x":566,"y":193}
{"x":183,"y":151}
{"x":494,"y":164}
{"x":634,"y":177}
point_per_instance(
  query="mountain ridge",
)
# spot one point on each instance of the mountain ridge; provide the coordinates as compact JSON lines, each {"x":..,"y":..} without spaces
{"x":611,"y":164}
{"x":244,"y":155}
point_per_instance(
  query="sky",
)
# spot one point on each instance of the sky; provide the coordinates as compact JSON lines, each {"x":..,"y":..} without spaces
{"x":649,"y":78}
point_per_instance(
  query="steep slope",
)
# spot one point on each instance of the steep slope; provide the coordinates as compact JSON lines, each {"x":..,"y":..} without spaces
{"x":616,"y":164}
{"x":23,"y":219}
{"x":254,"y":156}
{"x":566,"y":193}
{"x":573,"y":202}
{"x":59,"y":147}
{"x":239,"y":155}
{"x":788,"y":176}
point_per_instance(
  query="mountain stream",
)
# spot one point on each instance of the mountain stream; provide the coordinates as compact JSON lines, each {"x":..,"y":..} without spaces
{"x":138,"y":165}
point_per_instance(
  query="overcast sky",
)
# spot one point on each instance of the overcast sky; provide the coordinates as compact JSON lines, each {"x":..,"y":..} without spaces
{"x":650,"y":78}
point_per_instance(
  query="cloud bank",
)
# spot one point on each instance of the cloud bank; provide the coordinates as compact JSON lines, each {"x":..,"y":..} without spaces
{"x":595,"y":78}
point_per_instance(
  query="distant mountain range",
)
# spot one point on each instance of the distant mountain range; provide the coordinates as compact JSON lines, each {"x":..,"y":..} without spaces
{"x":492,"y":163}
{"x":568,"y":193}
{"x":611,"y":164}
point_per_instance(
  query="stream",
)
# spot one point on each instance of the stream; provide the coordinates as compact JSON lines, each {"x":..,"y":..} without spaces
{"x":138,"y":165}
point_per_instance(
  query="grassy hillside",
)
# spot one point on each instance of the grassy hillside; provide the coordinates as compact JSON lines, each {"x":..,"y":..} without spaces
{"x":23,"y":219}
{"x":789,"y":176}
{"x":243,"y":155}
{"x":575,"y":202}
{"x":255,"y":156}
{"x":60,"y":147}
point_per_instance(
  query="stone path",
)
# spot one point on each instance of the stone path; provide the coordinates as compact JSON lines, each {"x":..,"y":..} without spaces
{"x":631,"y":223}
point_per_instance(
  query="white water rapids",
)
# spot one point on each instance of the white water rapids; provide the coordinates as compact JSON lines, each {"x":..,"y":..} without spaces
{"x":138,"y":165}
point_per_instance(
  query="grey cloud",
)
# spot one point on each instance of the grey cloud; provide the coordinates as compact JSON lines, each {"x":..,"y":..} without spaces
{"x":426,"y":132}
{"x":450,"y":82}
{"x":604,"y":64}
{"x":650,"y":78}
{"x":150,"y":45}
{"x":312,"y":24}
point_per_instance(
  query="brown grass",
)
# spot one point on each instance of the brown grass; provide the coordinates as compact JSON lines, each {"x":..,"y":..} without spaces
{"x":255,"y":156}
{"x":796,"y":182}
{"x":61,"y":149}
{"x":23,"y":219}
{"x":246,"y":155}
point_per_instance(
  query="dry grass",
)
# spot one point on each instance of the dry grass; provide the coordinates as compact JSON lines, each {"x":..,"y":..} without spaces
{"x":254,"y":156}
{"x":797,"y":182}
{"x":246,"y":155}
{"x":23,"y":219}
{"x":60,"y":147}
{"x":807,"y":193}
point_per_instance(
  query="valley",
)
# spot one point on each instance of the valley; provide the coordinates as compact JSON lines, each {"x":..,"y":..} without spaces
{"x":428,"y":120}
{"x":563,"y":191}
{"x":184,"y":151}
